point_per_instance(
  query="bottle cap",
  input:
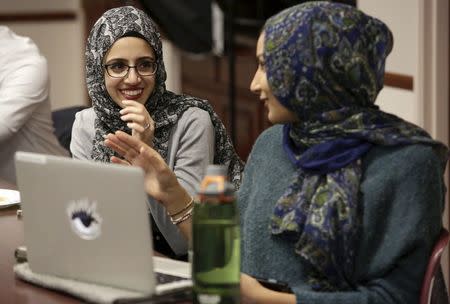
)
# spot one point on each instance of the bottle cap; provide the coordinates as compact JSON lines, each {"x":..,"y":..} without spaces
{"x":215,"y":182}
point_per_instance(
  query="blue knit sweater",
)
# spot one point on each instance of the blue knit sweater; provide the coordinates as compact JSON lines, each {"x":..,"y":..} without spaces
{"x":402,"y":200}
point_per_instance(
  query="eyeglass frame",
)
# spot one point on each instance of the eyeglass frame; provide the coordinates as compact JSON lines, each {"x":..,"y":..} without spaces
{"x":128,"y":70}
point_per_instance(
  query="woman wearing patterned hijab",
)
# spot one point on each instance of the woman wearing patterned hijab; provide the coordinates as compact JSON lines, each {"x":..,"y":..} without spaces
{"x":125,"y":77}
{"x":339,"y":199}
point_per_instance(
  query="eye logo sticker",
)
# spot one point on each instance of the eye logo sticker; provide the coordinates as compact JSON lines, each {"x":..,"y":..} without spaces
{"x":84,"y":219}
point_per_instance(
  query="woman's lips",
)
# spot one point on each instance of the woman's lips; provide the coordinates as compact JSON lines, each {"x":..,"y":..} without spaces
{"x":132,"y":94}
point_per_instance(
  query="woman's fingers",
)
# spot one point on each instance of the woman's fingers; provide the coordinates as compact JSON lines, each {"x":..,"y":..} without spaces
{"x":131,"y":147}
{"x":130,"y":106}
{"x":133,"y":111}
{"x":119,"y":161}
{"x":136,"y":127}
{"x":135,"y":121}
{"x":121,"y":147}
{"x":160,"y":181}
{"x":129,"y":141}
{"x":113,"y":142}
{"x":139,"y":118}
{"x":154,"y":158}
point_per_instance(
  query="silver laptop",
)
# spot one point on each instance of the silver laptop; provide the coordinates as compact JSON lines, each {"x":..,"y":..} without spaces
{"x":88,"y":221}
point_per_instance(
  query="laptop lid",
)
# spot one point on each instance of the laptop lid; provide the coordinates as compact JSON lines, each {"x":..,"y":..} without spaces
{"x":88,"y":221}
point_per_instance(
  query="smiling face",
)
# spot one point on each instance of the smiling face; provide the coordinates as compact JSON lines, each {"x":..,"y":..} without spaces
{"x":278,"y":114}
{"x":130,"y":51}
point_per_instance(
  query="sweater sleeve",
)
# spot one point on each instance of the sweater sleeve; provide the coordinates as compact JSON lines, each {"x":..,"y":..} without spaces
{"x":403,"y":198}
{"x":195,"y":149}
{"x":191,"y":150}
{"x":21,"y":92}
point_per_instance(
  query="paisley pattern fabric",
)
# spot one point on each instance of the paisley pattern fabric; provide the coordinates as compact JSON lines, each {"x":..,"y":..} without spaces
{"x":164,"y":106}
{"x":325,"y":62}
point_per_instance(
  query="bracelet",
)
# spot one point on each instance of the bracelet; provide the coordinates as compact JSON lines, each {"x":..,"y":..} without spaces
{"x":182,"y":218}
{"x":184,"y":208}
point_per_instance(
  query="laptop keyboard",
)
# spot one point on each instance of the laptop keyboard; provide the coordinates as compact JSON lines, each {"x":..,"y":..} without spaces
{"x":163,"y":278}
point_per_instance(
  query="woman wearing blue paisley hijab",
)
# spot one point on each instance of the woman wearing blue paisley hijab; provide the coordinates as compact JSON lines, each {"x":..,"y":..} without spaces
{"x":125,"y":77}
{"x":339,"y":199}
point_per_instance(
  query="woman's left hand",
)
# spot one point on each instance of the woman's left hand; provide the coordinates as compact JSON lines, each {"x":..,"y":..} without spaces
{"x":252,"y":292}
{"x":250,"y":288}
{"x":139,"y":121}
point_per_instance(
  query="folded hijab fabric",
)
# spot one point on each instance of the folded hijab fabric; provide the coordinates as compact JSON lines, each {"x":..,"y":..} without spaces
{"x":325,"y":62}
{"x":164,"y":106}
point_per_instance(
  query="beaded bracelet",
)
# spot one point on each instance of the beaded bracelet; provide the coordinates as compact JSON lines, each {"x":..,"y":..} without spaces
{"x":184,"y":208}
{"x":182,"y":218}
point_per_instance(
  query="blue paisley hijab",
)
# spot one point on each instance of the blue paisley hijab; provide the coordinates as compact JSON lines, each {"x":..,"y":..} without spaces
{"x":325,"y":62}
{"x":164,"y":106}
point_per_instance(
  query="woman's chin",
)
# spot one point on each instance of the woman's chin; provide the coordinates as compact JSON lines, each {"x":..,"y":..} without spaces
{"x":139,"y":99}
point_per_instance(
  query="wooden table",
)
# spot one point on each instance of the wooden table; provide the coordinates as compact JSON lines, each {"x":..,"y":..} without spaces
{"x":13,"y":290}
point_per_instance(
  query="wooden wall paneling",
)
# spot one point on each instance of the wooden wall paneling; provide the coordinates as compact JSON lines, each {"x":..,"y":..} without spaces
{"x":400,"y":81}
{"x":38,"y":17}
{"x":207,"y":78}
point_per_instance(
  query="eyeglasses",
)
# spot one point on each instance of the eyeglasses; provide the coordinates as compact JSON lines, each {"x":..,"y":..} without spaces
{"x":120,"y":70}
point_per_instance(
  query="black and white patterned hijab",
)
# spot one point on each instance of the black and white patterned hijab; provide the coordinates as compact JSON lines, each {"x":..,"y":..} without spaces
{"x":164,"y":106}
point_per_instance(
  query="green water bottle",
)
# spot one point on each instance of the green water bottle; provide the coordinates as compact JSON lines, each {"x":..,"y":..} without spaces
{"x":216,"y":241}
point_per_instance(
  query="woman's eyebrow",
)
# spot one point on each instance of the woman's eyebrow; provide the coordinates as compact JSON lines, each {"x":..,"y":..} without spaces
{"x":147,"y":57}
{"x":126,"y":60}
{"x":118,"y":59}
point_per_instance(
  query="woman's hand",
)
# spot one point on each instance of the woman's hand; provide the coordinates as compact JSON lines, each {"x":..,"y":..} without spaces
{"x":160,"y":181}
{"x":138,"y":120}
{"x":250,"y":288}
{"x":252,"y":292}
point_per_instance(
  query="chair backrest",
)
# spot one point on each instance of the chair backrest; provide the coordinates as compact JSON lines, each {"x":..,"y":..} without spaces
{"x":62,"y":122}
{"x":433,"y":266}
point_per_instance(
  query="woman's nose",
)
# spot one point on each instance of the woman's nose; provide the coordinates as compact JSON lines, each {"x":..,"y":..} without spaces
{"x":254,"y":85}
{"x":132,"y":76}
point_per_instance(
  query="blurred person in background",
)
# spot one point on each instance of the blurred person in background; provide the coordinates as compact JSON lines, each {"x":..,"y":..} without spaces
{"x":25,"y":111}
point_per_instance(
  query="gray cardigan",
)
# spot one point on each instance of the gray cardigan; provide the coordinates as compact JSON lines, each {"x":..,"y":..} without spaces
{"x":402,"y":199}
{"x":191,"y":150}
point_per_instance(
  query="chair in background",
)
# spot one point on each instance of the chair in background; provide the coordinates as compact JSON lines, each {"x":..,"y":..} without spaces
{"x":62,"y":122}
{"x":433,"y":286}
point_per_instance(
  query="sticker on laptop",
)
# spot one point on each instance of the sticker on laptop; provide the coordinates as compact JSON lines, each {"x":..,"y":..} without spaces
{"x":84,"y":218}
